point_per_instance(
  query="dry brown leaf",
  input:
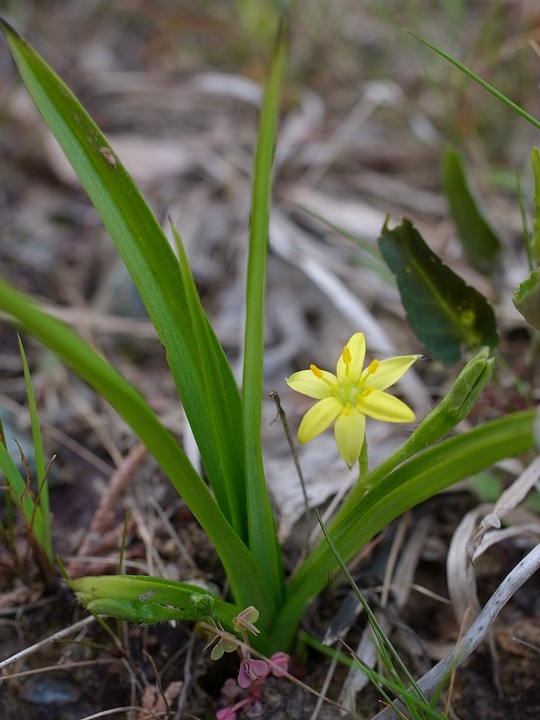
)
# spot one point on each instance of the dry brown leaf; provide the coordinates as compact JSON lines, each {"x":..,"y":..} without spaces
{"x":460,"y":574}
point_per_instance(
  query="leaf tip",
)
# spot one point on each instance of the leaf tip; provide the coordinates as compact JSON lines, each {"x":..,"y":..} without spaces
{"x":8,"y":29}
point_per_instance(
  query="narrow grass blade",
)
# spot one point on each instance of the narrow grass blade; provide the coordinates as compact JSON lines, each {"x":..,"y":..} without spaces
{"x":512,"y":105}
{"x":370,"y":257}
{"x":262,"y":533}
{"x":152,"y":264}
{"x":42,"y":484}
{"x":477,"y":632}
{"x":384,"y":647}
{"x":23,"y":498}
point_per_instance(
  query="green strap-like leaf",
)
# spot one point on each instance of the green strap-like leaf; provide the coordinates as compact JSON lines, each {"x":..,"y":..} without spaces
{"x":262,"y":532}
{"x":408,"y":485}
{"x":232,"y":503}
{"x":442,"y":309}
{"x":154,"y":268}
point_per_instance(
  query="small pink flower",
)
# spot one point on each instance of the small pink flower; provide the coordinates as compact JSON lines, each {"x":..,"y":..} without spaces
{"x":251,"y":671}
{"x":279,"y":664}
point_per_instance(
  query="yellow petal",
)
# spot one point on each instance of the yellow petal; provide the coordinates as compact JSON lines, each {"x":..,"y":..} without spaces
{"x":318,"y":418}
{"x":349,"y":431}
{"x":307,"y":383}
{"x":382,"y":406}
{"x":357,"y":348}
{"x":389,"y":371}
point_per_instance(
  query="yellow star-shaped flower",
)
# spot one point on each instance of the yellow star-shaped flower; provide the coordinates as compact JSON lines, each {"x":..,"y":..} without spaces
{"x":350,"y":395}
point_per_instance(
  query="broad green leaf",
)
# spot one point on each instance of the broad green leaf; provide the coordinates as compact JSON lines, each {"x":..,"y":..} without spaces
{"x":527,"y":299}
{"x":155,"y":271}
{"x":444,"y":312}
{"x":263,"y":541}
{"x":408,"y":485}
{"x":479,"y":240}
{"x":247,"y":582}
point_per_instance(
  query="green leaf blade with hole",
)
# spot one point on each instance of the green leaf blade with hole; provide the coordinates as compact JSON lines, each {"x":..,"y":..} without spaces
{"x":444,"y":312}
{"x":479,"y":240}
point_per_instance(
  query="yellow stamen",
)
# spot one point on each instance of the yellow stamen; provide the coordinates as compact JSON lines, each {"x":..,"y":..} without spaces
{"x":315,"y":370}
{"x":347,"y":409}
{"x":367,"y":392}
{"x":372,"y":368}
{"x":347,"y":357}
